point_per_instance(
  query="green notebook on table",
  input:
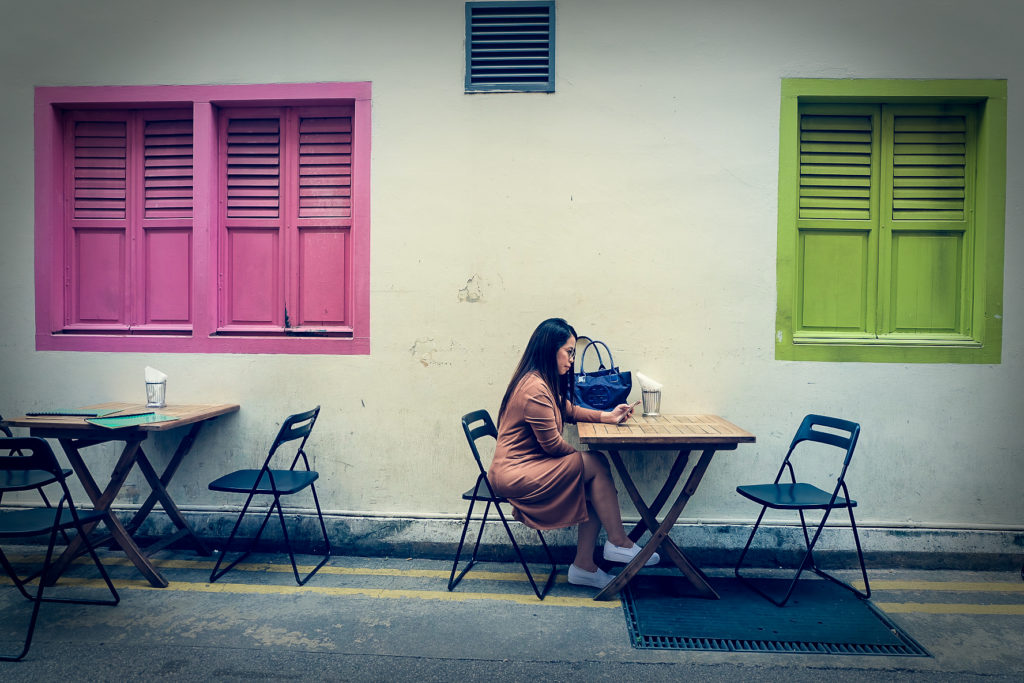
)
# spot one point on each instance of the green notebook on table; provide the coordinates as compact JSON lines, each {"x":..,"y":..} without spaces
{"x":119,"y":422}
{"x":72,"y":412}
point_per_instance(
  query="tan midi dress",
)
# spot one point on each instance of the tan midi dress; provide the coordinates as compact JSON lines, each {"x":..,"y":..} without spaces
{"x":533,"y":466}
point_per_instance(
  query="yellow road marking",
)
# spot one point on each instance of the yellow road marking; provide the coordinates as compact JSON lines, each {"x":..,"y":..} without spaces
{"x":550,"y":600}
{"x":947,"y":608}
{"x":958,"y":586}
{"x":526,"y":599}
{"x":253,"y":589}
{"x":475,"y":574}
{"x":484,"y":575}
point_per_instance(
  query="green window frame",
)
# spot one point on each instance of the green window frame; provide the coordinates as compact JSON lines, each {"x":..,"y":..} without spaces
{"x":891,"y":220}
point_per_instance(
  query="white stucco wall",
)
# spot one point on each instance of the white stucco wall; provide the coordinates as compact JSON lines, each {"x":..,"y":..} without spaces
{"x":638,"y":201}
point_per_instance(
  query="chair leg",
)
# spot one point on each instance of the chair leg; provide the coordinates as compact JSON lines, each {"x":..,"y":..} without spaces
{"x":860,"y":556}
{"x":453,"y":580}
{"x":807,"y":562}
{"x":39,"y":599}
{"x":106,"y":579}
{"x":522,"y":560}
{"x":90,"y":549}
{"x":554,"y":565}
{"x":808,"y":558}
{"x":866,"y":593}
{"x":215,"y":574}
{"x":36,"y":602}
{"x":736,"y":570}
{"x":323,"y":530}
{"x":288,"y":544}
{"x":15,"y":579}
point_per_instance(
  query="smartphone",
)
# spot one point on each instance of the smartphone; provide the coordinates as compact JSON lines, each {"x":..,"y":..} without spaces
{"x":626,"y":416}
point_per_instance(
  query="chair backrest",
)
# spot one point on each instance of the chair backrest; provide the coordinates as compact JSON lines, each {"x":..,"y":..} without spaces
{"x":21,"y":461}
{"x":33,"y":453}
{"x":295,"y":427}
{"x":484,"y":427}
{"x":843,"y":435}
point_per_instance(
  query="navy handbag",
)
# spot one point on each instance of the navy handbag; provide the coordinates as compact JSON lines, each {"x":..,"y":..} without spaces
{"x":604,"y":388}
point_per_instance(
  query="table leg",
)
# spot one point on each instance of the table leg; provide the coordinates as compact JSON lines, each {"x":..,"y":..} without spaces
{"x":159,"y":484}
{"x":102,"y":500}
{"x":648,"y":514}
{"x":660,"y":538}
{"x":678,"y":467}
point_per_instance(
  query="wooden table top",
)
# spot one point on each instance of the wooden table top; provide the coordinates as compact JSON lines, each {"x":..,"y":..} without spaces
{"x":186,"y":414}
{"x":664,"y":430}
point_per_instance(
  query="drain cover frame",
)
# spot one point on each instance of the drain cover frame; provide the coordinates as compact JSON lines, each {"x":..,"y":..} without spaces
{"x":900,"y":643}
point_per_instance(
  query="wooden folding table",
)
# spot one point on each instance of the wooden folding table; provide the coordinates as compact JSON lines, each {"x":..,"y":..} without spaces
{"x":74,"y":433}
{"x":681,"y":433}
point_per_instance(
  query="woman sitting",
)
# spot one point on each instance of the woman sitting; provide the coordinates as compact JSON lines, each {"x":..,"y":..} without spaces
{"x":549,"y":483}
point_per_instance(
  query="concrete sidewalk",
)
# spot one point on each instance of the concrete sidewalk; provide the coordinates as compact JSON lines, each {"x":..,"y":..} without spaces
{"x":392,"y":619}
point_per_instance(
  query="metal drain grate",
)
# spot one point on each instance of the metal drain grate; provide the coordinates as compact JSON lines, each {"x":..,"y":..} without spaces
{"x":822,"y":619}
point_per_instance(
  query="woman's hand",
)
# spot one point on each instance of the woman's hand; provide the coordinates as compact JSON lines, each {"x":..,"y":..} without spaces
{"x":619,"y":414}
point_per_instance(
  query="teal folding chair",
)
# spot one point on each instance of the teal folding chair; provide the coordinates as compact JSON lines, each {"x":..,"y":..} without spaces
{"x":28,"y":463}
{"x":9,"y":479}
{"x":801,"y":496}
{"x":275,"y":483}
{"x":476,"y":425}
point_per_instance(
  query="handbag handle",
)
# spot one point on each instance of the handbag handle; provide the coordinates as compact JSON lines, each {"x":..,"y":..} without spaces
{"x":600,"y":360}
{"x":578,"y":353}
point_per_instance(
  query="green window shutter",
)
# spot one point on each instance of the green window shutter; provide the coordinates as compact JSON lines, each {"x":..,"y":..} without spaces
{"x":837,"y":221}
{"x":835,"y":166}
{"x":916,"y":274}
{"x":925,"y":276}
{"x":929,"y":162}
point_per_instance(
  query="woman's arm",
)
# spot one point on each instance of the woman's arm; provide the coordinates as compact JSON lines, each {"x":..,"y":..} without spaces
{"x":615,"y":416}
{"x":540,"y":415}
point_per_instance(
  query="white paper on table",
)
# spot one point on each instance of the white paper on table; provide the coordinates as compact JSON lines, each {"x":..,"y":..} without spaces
{"x":646,"y":383}
{"x":153,"y":375}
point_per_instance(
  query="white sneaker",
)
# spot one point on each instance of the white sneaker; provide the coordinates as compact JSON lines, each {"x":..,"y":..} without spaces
{"x":595,"y":579}
{"x":614,"y":553}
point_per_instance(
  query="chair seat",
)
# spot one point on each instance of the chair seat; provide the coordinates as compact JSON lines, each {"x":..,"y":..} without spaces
{"x":244,"y":481}
{"x":480,"y":492}
{"x":24,"y":480}
{"x":36,"y":521}
{"x":792,"y":496}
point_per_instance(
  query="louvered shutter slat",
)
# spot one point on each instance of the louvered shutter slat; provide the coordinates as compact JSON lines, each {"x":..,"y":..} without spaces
{"x":835,"y":167}
{"x":100,"y":169}
{"x":929,"y":162}
{"x":167,"y":184}
{"x":253,"y":168}
{"x":325,"y":167}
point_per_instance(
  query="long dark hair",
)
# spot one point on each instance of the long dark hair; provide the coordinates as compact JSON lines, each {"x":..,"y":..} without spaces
{"x":540,"y":357}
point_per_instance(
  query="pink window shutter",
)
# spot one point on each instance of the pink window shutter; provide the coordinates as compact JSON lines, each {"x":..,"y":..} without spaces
{"x":250,"y":244}
{"x":134,"y":248}
{"x":321,"y":257}
{"x":165,"y":280}
{"x":96,"y":239}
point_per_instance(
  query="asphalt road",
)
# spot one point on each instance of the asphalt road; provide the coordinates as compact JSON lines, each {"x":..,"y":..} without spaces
{"x":393,"y":619}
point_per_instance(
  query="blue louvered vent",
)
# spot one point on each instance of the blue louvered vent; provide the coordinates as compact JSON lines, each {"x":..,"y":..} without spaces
{"x":510,"y":46}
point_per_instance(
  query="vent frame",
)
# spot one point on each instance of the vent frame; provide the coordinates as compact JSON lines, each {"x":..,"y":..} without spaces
{"x":533,"y":68}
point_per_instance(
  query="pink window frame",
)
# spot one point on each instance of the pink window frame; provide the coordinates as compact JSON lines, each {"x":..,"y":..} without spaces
{"x":205,"y":102}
